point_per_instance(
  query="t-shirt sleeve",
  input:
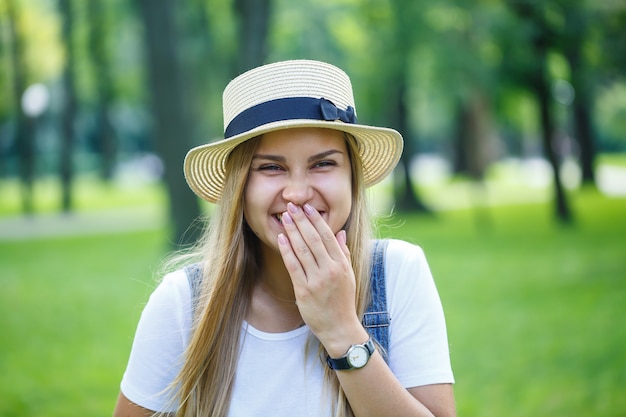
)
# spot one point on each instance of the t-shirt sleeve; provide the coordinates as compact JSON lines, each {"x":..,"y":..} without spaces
{"x":418,"y":342}
{"x":158,"y":345}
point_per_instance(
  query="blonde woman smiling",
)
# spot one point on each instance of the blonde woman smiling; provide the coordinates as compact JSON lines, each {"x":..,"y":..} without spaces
{"x":292,"y":309}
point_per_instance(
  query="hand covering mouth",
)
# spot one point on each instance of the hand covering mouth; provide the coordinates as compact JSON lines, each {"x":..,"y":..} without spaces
{"x":279,"y":216}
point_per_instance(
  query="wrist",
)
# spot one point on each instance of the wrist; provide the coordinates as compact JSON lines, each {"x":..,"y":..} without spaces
{"x":337,"y":345}
{"x":357,"y":356}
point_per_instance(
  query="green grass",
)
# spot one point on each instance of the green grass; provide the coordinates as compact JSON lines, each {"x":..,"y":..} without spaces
{"x":535,"y":311}
{"x":68,"y":309}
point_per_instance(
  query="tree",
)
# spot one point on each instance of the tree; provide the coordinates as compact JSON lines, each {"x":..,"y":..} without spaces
{"x":607,"y":55}
{"x":253,"y":16}
{"x":536,"y":77}
{"x":104,"y":132}
{"x":466,"y":71}
{"x":170,"y":113}
{"x":69,"y":108}
{"x":24,"y":130}
{"x":575,"y":33}
{"x":472,"y":150}
{"x":400,"y":47}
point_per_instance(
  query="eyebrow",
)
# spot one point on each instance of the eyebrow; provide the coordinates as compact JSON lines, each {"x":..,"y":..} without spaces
{"x":323,"y":155}
{"x":315,"y":157}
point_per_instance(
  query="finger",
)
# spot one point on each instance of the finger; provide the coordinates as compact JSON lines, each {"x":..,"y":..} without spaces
{"x":292,"y":263}
{"x":304,"y":233}
{"x":299,"y":245}
{"x":342,"y":240}
{"x":325,"y":233}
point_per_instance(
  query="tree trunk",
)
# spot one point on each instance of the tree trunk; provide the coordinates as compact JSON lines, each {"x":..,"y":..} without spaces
{"x":584,"y":134}
{"x":253,"y":26}
{"x":473,"y":144}
{"x":547,"y":129}
{"x":69,"y":109}
{"x":105,"y":137}
{"x":539,"y":83}
{"x":170,"y":114}
{"x":24,"y":127}
{"x":406,"y":196}
{"x":473,"y":151}
{"x":542,"y":89}
{"x":583,"y":120}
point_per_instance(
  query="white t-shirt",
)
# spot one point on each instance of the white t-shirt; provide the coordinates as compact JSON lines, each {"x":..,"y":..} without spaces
{"x":273,"y":375}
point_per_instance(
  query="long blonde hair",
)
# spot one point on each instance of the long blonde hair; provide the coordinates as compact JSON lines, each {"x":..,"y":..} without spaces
{"x":230,"y":253}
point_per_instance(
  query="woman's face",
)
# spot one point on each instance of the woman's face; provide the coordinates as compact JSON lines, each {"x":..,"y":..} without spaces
{"x":303,"y":165}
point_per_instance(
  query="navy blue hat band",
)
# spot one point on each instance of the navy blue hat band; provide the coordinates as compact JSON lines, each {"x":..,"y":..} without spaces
{"x":290,"y":108}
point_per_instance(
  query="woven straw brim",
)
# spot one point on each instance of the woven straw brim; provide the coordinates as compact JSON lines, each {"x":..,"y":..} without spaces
{"x":379,"y":148}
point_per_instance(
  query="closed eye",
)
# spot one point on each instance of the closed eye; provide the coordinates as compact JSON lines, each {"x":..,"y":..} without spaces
{"x":268,"y":167}
{"x":324,"y":163}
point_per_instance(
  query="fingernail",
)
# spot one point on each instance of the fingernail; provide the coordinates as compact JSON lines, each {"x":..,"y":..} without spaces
{"x":308,"y":210}
{"x":342,"y":237}
{"x":287,"y":218}
{"x":282,"y":240}
{"x":292,"y":208}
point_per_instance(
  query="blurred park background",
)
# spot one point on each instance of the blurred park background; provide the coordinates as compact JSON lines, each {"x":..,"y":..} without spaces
{"x":513,"y":178}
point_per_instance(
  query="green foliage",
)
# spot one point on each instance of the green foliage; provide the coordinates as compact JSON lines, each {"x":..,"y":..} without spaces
{"x":611,"y":114}
{"x":532,"y":310}
{"x":40,"y":29}
{"x":37,"y":30}
{"x":457,"y":50}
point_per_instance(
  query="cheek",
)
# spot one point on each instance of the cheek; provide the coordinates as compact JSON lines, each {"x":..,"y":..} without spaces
{"x":339,"y":195}
{"x":258,"y":197}
{"x":259,"y":190}
{"x":253,"y":189}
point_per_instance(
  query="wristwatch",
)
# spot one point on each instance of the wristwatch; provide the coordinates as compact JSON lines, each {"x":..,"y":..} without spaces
{"x":356,"y":357}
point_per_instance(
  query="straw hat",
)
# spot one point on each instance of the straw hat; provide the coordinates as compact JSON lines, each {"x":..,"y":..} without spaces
{"x":284,"y":95}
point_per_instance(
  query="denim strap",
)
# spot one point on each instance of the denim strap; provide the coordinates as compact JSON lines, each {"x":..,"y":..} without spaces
{"x":376,"y":319}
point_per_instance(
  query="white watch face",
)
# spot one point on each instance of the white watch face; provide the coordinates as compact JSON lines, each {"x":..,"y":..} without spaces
{"x":358,"y":356}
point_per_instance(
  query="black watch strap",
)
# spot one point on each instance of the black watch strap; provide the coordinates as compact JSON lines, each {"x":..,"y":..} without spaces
{"x":342,"y":363}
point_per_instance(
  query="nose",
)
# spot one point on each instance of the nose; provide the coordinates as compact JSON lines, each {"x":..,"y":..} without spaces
{"x":298,"y":190}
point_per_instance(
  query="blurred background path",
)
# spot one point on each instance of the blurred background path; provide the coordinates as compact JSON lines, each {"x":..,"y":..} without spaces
{"x":81,"y":223}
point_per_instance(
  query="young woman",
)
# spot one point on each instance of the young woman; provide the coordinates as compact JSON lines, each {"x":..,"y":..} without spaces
{"x":274,"y":319}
